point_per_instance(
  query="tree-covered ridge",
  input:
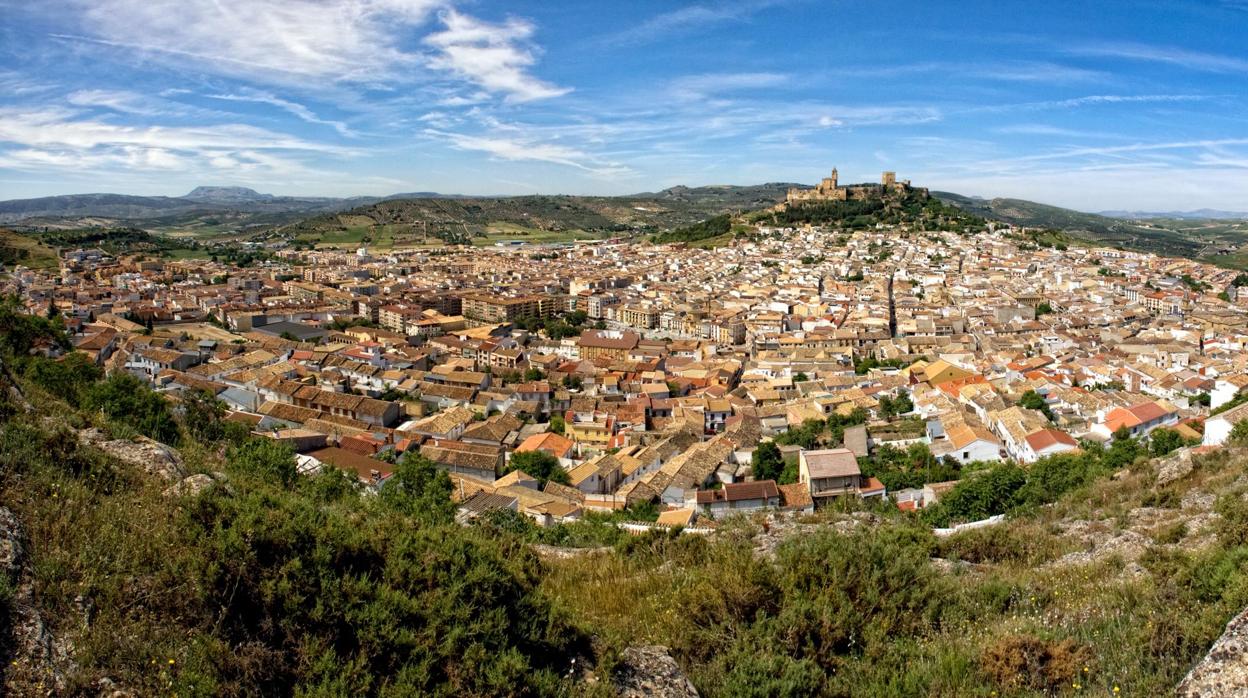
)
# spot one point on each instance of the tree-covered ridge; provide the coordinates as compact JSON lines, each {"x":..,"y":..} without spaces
{"x":911,"y":207}
{"x":709,"y":228}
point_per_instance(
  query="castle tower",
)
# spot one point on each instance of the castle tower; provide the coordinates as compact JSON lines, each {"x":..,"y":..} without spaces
{"x":833,"y":177}
{"x":888,"y":179}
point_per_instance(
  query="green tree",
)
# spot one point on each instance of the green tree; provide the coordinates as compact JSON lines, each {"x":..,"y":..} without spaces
{"x":1239,"y":434}
{"x":767,"y":463}
{"x":1035,"y":401}
{"x":21,"y":333}
{"x":1163,"y":441}
{"x":126,"y":400}
{"x":891,"y":407}
{"x":69,"y":378}
{"x":807,"y":435}
{"x":1122,"y":451}
{"x":419,"y":488}
{"x":538,"y":464}
{"x":203,"y":415}
{"x":266,"y":459}
{"x":556,"y":423}
{"x":988,"y":494}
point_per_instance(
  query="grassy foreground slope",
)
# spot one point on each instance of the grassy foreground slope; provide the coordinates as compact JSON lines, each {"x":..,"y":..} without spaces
{"x":1120,"y":584}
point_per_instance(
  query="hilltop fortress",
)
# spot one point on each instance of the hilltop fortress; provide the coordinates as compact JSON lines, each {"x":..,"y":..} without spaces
{"x":829,"y":190}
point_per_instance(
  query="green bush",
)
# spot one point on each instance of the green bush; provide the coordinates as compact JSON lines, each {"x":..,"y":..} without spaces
{"x":125,"y":400}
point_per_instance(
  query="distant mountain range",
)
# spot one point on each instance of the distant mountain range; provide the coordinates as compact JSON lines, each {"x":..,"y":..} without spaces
{"x":1198,"y":214}
{"x":243,"y":199}
{"x":235,"y":210}
{"x":127,"y":208}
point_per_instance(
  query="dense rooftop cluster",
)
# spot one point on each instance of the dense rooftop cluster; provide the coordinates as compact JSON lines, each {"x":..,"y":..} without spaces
{"x":651,"y":374}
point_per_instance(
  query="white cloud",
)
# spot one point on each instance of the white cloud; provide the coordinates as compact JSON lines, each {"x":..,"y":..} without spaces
{"x":494,"y":56}
{"x":1133,"y":148}
{"x":65,"y":140}
{"x":300,"y":41}
{"x":59,"y":127}
{"x":1049,"y":130}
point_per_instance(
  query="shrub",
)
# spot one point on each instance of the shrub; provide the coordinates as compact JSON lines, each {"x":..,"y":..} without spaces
{"x":265,"y":459}
{"x":538,"y":464}
{"x":1025,"y":661}
{"x":127,"y":401}
{"x":995,"y":544}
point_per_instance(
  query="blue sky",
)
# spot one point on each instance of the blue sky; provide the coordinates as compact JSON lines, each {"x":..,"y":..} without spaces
{"x":1093,"y":105}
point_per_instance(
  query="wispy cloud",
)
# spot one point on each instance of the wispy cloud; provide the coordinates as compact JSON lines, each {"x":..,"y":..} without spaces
{"x":693,"y":87}
{"x":1192,"y":60}
{"x":494,"y":56}
{"x":689,"y":19}
{"x":1088,"y":100}
{"x":509,"y":148}
{"x":136,"y":104}
{"x":298,"y":110}
{"x":1050,"y":130}
{"x":1133,"y":148}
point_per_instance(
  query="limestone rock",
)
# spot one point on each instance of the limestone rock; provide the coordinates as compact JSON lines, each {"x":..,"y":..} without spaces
{"x":153,"y":457}
{"x":1223,"y":673}
{"x":11,"y":551}
{"x":1176,"y":466}
{"x":649,"y":671}
{"x":38,"y":658}
{"x":196,"y":484}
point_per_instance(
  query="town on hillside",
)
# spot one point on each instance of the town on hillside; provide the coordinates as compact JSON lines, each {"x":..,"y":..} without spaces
{"x":784,"y":370}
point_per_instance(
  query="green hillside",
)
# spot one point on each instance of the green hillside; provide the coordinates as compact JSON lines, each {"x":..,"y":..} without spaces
{"x":536,"y":218}
{"x":1159,"y":237}
{"x":26,"y":250}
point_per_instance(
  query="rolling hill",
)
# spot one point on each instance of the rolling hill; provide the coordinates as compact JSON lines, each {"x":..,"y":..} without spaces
{"x":1178,"y":237}
{"x":16,"y":248}
{"x":539,"y":218}
{"x":230,"y":213}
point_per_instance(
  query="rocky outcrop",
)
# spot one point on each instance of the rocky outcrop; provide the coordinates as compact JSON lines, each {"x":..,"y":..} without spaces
{"x":649,"y":672}
{"x":152,"y":457}
{"x":37,"y":661}
{"x":1176,"y":466}
{"x":196,"y":484}
{"x":1223,"y":673}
